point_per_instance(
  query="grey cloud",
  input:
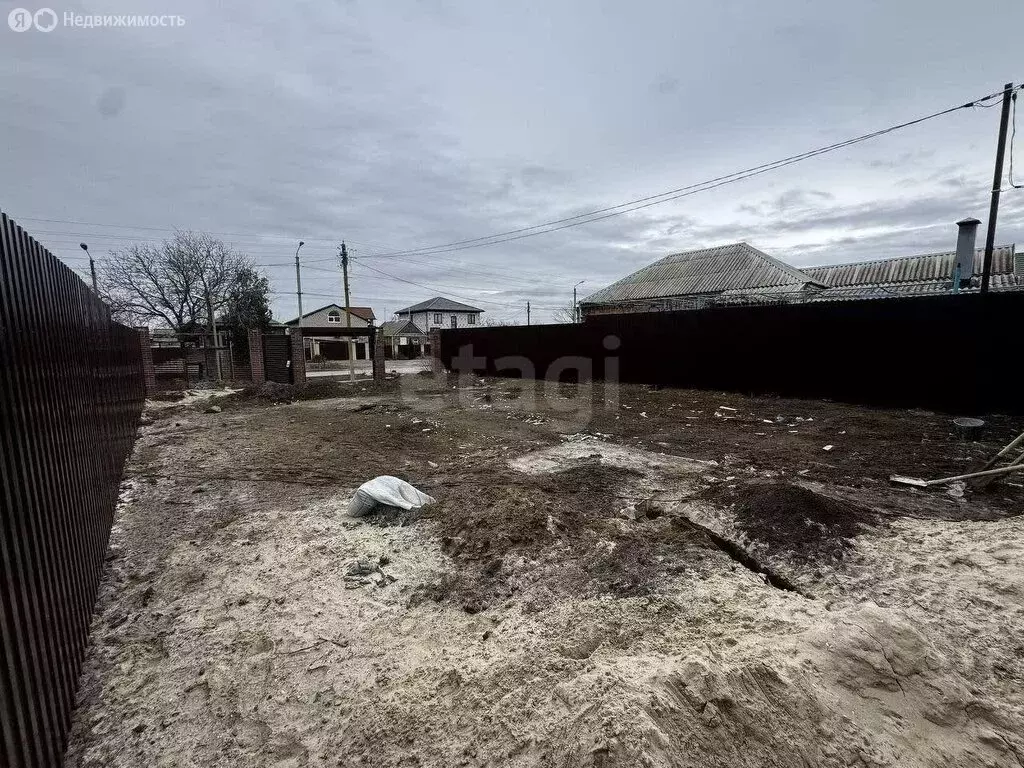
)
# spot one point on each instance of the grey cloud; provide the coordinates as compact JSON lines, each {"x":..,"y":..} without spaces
{"x":401,"y":125}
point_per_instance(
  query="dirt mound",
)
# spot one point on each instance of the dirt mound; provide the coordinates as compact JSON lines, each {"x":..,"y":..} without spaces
{"x":315,"y":389}
{"x":521,"y":513}
{"x":511,"y":537}
{"x":798,"y":521}
{"x":271,"y":390}
{"x":324,"y":388}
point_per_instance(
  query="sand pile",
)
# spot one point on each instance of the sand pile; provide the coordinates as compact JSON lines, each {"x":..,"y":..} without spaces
{"x":858,"y":688}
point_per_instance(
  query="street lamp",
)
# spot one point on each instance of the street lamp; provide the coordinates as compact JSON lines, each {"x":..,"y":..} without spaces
{"x":92,"y":267}
{"x":298,"y":281}
{"x":575,"y":309}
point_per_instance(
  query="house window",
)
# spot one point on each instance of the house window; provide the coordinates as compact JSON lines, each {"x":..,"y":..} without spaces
{"x":471,"y":319}
{"x":437,"y":317}
{"x":334,"y":316}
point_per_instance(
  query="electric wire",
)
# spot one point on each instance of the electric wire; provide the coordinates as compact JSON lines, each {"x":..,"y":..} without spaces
{"x":599,"y":214}
{"x":674,"y":194}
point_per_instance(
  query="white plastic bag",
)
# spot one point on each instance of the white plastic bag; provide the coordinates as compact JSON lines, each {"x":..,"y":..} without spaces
{"x":386,"y":490}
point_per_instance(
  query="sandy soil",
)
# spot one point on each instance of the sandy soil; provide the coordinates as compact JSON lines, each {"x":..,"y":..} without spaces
{"x":596,"y":586}
{"x":364,"y":368}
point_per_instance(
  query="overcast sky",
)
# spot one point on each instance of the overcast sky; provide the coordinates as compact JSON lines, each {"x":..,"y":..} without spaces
{"x":401,"y":125}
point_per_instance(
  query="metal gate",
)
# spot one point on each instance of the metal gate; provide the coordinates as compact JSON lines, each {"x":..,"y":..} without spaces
{"x":277,"y":353}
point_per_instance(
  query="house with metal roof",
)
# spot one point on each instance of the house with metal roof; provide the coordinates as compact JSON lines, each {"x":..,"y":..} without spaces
{"x":917,"y":275}
{"x":404,"y":339}
{"x":692,"y":279}
{"x":330,"y":316}
{"x":440,"y":312}
{"x":326,"y":332}
{"x":741,"y":274}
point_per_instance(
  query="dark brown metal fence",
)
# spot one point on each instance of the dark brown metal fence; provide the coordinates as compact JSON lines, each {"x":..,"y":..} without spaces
{"x":71,"y":389}
{"x":956,"y":353}
{"x":277,"y":353}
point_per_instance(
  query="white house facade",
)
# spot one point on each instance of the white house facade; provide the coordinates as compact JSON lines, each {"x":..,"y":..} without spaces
{"x":440,"y":312}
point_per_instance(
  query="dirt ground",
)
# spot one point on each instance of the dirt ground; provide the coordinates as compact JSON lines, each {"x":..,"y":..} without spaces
{"x":617,"y":577}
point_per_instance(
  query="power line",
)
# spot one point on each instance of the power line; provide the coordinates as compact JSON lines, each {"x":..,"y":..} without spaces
{"x":71,"y":238}
{"x":1013,"y":137}
{"x":427,"y":287}
{"x":336,"y":273}
{"x":674,"y":194}
{"x":185,"y":229}
{"x":549,"y":226}
{"x":507,"y":277}
{"x":570,"y":221}
{"x":442,"y":288}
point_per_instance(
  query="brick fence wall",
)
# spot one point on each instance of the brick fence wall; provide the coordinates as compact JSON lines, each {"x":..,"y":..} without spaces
{"x":436,"y":364}
{"x":378,"y":356}
{"x":298,"y":357}
{"x":148,"y":369}
{"x":259,"y":374}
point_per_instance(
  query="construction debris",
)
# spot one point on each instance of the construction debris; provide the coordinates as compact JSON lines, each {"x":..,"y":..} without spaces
{"x":386,"y":491}
{"x":1016,"y":467}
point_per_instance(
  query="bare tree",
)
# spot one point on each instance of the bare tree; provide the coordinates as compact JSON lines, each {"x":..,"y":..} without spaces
{"x":564,"y":314}
{"x":182,"y":282}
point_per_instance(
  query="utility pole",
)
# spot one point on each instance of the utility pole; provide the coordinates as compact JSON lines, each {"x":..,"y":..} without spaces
{"x":575,"y":306}
{"x":92,"y":267}
{"x":348,"y":313}
{"x":213,"y":336}
{"x":997,"y":180}
{"x":527,"y":313}
{"x":298,"y":281}
{"x":298,"y":294}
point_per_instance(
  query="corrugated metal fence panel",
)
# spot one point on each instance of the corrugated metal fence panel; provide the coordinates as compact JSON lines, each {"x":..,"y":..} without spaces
{"x":277,"y":352}
{"x":71,"y":390}
{"x":893,"y":351}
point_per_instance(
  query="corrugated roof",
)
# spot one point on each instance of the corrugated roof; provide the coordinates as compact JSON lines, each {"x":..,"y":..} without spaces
{"x":439,"y":303}
{"x":1001,"y":282}
{"x":734,"y":267}
{"x":364,"y":313}
{"x":401,"y":328}
{"x":909,"y":269}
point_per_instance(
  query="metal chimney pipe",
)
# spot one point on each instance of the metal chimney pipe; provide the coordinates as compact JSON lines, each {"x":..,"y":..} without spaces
{"x":966,"y":243}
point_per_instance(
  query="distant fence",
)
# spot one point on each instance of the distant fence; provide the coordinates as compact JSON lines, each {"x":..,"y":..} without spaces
{"x":952,"y":353}
{"x":71,"y":389}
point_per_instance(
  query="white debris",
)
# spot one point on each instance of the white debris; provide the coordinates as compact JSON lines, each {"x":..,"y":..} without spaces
{"x":387,"y":490}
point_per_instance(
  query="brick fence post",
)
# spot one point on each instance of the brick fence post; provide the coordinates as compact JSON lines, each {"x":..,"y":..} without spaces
{"x":378,"y":355}
{"x":298,"y":357}
{"x":435,"y":351}
{"x":257,"y":370}
{"x":148,"y":370}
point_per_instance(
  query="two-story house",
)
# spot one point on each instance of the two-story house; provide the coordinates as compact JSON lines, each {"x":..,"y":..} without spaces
{"x":324,"y":337}
{"x":440,"y":312}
